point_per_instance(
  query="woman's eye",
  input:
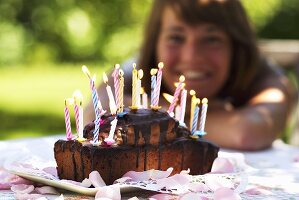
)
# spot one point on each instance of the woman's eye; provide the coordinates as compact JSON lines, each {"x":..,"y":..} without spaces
{"x":175,"y":39}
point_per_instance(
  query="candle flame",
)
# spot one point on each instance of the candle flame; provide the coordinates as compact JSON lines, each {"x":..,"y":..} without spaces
{"x":161,"y":65}
{"x":86,"y":71}
{"x":182,"y":78}
{"x":168,"y":97}
{"x":69,"y":101}
{"x":192,"y":92}
{"x":94,"y":77}
{"x":140,"y":74}
{"x":117,"y":66}
{"x":134,"y":65}
{"x":204,"y":101}
{"x":121,"y":72}
{"x":154,"y":71}
{"x":105,"y":78}
{"x":197,"y":101}
{"x":78,"y":97}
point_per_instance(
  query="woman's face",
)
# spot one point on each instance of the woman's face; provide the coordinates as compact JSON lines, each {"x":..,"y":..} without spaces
{"x":202,"y":53}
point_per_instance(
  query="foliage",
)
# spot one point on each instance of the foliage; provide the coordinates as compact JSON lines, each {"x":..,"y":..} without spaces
{"x":70,"y":30}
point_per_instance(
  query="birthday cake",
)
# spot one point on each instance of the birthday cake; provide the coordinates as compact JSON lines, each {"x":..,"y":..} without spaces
{"x":146,"y":139}
{"x":133,"y":139}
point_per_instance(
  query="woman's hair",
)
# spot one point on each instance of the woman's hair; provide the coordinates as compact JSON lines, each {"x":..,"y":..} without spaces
{"x":228,"y":15}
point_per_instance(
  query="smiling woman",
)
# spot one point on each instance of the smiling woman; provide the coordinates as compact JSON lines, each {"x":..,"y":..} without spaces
{"x":212,"y":44}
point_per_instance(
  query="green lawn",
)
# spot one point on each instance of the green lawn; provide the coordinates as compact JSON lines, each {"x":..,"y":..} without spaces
{"x":32,"y":98}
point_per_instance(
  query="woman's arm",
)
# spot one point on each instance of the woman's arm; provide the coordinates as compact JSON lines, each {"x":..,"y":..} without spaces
{"x":258,"y":123}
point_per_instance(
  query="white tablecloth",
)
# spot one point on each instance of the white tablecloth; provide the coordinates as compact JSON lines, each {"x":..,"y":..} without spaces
{"x":276,"y":169}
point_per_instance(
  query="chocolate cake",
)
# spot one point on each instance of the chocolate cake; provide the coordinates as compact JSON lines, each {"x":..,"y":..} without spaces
{"x":145,"y":139}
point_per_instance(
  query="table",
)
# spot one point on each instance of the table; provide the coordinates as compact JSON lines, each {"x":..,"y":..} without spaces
{"x":275,"y":170}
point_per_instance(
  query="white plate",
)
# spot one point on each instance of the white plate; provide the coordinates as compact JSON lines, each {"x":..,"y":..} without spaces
{"x":69,"y":186}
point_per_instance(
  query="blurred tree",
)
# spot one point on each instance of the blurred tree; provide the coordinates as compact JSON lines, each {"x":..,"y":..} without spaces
{"x":71,"y":30}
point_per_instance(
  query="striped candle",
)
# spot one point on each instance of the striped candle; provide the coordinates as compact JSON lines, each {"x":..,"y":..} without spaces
{"x":95,"y":98}
{"x":176,"y":95}
{"x":77,"y":96}
{"x":138,"y":87}
{"x":110,"y":139}
{"x":158,"y":84}
{"x":203,"y":116}
{"x":153,"y":84}
{"x":96,"y":131}
{"x":195,"y":117}
{"x":67,"y":119}
{"x":115,"y":76}
{"x":121,"y":91}
{"x":193,"y":103}
{"x":183,"y":105}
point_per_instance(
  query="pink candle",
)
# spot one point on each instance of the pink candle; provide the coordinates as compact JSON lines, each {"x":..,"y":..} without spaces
{"x":158,"y":84}
{"x":78,"y":113}
{"x":176,"y":95}
{"x":69,"y":134}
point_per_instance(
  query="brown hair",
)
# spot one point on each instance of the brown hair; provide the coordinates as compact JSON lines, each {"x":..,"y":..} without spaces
{"x":228,"y":15}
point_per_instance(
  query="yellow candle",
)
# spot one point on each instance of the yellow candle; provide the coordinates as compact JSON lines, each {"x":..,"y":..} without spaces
{"x":112,"y":104}
{"x":193,"y":104}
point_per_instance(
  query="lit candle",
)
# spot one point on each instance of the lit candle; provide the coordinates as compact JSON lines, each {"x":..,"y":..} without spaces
{"x":134,"y":85}
{"x":193,"y":104}
{"x":203,"y":114}
{"x":112,"y":104}
{"x":176,"y":95}
{"x":153,"y":84}
{"x":67,"y":119}
{"x":115,"y":76}
{"x":78,"y":112}
{"x":144,"y":98}
{"x":95,"y":97}
{"x":138,"y":88}
{"x":158,"y":85}
{"x":183,"y":105}
{"x":121,"y":90}
{"x":110,"y":139}
{"x":195,"y":116}
{"x":96,"y":131}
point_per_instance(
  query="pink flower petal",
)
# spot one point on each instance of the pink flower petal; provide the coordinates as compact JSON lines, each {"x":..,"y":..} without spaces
{"x":161,"y":197}
{"x":51,"y":170}
{"x":185,"y":171}
{"x":147,"y":175}
{"x":96,"y":179}
{"x":198,"y":187}
{"x":258,"y":191}
{"x":194,"y":196}
{"x":175,"y":181}
{"x":158,"y":174}
{"x":22,"y":188}
{"x":215,"y":182}
{"x":7,"y":180}
{"x":108,"y":192}
{"x":222,"y":165}
{"x":122,"y":180}
{"x":21,"y":196}
{"x":86,"y":183}
{"x":296,"y":158}
{"x":226,"y":194}
{"x":46,"y":190}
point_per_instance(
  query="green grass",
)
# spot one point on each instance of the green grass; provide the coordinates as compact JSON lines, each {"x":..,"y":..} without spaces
{"x":32,"y":98}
